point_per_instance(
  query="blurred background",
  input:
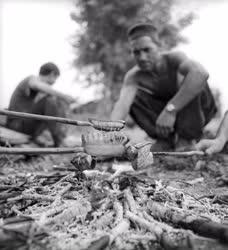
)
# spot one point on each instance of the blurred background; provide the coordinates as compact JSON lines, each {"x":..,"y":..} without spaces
{"x":87,"y":40}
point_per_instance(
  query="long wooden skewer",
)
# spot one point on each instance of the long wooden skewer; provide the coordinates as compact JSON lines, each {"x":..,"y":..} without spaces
{"x":168,"y":153}
{"x":44,"y":118}
{"x":39,"y":151}
{"x":183,"y":154}
{"x":100,"y":124}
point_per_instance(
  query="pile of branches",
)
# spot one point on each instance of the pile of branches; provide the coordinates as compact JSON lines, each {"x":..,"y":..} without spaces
{"x":111,"y":207}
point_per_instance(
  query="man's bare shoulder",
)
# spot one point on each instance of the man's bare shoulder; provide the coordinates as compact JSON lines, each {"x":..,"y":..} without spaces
{"x":32,"y":78}
{"x":24,"y":82}
{"x":131,"y":75}
{"x":185,"y":63}
{"x":175,"y":56}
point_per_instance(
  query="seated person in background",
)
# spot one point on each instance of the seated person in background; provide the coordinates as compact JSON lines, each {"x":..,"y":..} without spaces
{"x":35,"y":95}
{"x":216,"y":145}
{"x":167,"y":94}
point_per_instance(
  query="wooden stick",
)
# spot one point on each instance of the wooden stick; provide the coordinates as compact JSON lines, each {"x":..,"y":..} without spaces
{"x":99,"y":244}
{"x":44,"y":118}
{"x":130,"y":200}
{"x":152,"y":227}
{"x":106,"y":125}
{"x":38,"y":151}
{"x":183,"y":154}
{"x":118,"y":208}
{"x":36,"y":197}
{"x":121,"y":228}
{"x":187,"y":220}
{"x":171,"y":238}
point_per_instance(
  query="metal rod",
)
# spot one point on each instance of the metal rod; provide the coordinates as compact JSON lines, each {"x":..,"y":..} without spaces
{"x":38,"y":151}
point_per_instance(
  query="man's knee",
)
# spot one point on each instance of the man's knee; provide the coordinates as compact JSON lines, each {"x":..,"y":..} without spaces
{"x":54,"y":106}
{"x":51,"y":100}
{"x":191,"y":120}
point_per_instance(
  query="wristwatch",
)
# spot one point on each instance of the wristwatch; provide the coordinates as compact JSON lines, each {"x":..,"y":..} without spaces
{"x":170,"y":108}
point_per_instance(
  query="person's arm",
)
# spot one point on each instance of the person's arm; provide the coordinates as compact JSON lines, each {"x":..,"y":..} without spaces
{"x":216,"y":145}
{"x":38,"y":85}
{"x":194,"y":79}
{"x":222,"y":133}
{"x":127,"y":95}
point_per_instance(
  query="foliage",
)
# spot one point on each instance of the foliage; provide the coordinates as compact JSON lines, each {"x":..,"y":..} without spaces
{"x":103,"y":42}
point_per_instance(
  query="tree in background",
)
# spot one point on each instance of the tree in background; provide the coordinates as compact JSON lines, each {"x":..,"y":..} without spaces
{"x":102,"y":43}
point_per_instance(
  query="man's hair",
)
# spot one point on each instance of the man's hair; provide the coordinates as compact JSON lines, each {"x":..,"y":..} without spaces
{"x":48,"y":68}
{"x":143,"y":29}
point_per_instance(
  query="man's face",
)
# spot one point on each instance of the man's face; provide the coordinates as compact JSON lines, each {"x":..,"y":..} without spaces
{"x":50,"y":79}
{"x":145,"y":51}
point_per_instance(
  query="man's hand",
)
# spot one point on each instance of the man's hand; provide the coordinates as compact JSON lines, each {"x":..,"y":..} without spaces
{"x":69,"y":99}
{"x":165,"y":123}
{"x":210,"y":146}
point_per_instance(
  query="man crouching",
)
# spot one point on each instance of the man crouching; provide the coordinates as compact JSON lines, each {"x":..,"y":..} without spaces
{"x":167,"y":94}
{"x":35,"y":95}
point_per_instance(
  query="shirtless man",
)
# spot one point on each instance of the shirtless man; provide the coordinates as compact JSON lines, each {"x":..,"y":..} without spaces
{"x":35,"y":95}
{"x":167,"y":94}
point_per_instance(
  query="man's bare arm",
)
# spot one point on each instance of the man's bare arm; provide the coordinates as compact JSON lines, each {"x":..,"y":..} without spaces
{"x":195,"y":79}
{"x":222,"y":133}
{"x":212,"y":146}
{"x":38,"y":85}
{"x":127,"y":95}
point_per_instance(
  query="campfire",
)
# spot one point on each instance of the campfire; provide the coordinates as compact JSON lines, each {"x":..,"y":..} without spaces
{"x":92,"y":203}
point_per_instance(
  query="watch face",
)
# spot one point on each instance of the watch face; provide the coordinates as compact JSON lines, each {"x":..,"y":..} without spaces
{"x":170,"y":107}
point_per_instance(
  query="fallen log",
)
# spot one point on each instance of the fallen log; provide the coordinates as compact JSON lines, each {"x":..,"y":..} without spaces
{"x":14,"y":232}
{"x":99,"y":244}
{"x":174,"y":239}
{"x":199,"y":225}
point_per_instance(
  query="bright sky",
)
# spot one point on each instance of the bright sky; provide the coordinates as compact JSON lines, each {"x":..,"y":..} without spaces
{"x":208,"y":43}
{"x":36,"y":31}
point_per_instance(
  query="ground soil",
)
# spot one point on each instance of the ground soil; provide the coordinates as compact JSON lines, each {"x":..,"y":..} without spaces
{"x":210,"y":175}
